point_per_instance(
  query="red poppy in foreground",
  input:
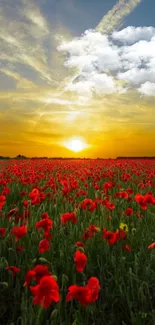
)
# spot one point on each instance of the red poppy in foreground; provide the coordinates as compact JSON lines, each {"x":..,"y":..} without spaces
{"x":36,"y":274}
{"x":114,"y":236}
{"x":85,"y":295}
{"x":45,"y":223}
{"x":19,"y":232}
{"x":90,"y":232}
{"x":111,"y":236}
{"x":45,"y":292}
{"x":80,"y":260}
{"x":68,"y":216}
{"x":44,"y":246}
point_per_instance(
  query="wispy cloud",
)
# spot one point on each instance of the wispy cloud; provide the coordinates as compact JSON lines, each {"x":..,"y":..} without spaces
{"x":22,"y":38}
{"x":32,"y":12}
{"x":22,"y":83}
{"x":113,"y":19}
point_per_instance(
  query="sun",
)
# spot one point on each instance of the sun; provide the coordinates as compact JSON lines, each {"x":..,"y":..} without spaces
{"x":75,"y":144}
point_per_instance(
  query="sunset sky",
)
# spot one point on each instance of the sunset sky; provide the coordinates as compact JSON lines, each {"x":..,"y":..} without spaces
{"x":81,"y":69}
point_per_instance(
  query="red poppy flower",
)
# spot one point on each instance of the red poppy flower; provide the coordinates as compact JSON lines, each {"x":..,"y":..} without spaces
{"x":25,"y":203}
{"x":2,"y":232}
{"x":141,"y":201}
{"x":6,"y":191}
{"x":23,"y":193}
{"x":80,"y":260}
{"x":35,"y":191}
{"x":79,"y":293}
{"x":90,"y":231}
{"x":87,"y":234}
{"x":46,"y":224}
{"x":19,"y":232}
{"x":121,"y":234}
{"x":85,"y":295}
{"x":45,"y":292}
{"x":110,"y":205}
{"x":127,"y":248}
{"x":107,"y":186}
{"x":40,"y":271}
{"x":79,"y":244}
{"x":13,"y":269}
{"x":94,"y":287}
{"x":68,"y":216}
{"x":36,"y":274}
{"x":93,"y":229}
{"x":29,"y":275}
{"x":44,"y":246}
{"x":35,"y":196}
{"x":2,"y":200}
{"x":45,"y":215}
{"x":86,"y":203}
{"x":149,"y":199}
{"x":47,"y":235}
{"x":112,"y":237}
{"x":123,"y":195}
{"x":151,"y":246}
{"x":129,"y":212}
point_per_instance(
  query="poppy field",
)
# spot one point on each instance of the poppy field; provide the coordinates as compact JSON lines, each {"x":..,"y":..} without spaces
{"x":77,"y":242}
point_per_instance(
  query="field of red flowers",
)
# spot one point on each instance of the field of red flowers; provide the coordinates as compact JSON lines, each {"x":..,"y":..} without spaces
{"x":77,"y":242}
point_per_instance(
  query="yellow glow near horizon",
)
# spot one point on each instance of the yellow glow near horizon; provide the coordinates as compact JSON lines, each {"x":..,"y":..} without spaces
{"x":75,"y":144}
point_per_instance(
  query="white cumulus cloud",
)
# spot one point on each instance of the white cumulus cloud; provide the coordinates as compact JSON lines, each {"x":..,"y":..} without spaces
{"x":148,"y":88}
{"x":111,"y":63}
{"x":132,"y":34}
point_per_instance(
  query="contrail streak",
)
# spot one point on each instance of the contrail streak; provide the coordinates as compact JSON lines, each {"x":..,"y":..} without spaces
{"x":114,"y":17}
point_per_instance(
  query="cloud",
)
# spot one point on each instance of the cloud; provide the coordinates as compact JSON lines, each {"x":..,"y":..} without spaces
{"x":10,"y":73}
{"x":59,"y":101}
{"x":95,"y":82}
{"x":104,"y":66}
{"x":23,"y":32}
{"x":136,"y":76}
{"x":132,"y":34}
{"x":22,"y":83}
{"x":148,"y":88}
{"x":33,"y":13}
{"x":113,"y":19}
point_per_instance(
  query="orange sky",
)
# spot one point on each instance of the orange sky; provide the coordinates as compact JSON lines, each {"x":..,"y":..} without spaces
{"x":56,"y":84}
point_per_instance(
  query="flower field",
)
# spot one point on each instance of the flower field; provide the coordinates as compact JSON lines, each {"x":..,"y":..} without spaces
{"x":77,"y":242}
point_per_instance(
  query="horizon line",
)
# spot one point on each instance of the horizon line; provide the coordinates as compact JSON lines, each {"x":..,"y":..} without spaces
{"x":76,"y":158}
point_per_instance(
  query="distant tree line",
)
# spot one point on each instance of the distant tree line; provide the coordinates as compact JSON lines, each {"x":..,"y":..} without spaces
{"x":18,"y":157}
{"x":143,"y":157}
{"x":34,"y":158}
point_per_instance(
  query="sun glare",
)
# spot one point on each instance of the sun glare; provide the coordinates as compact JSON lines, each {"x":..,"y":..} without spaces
{"x":75,"y":144}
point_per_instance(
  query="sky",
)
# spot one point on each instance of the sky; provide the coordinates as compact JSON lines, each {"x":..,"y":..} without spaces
{"x":77,"y":68}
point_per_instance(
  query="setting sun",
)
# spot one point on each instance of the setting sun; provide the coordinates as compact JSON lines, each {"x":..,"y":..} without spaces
{"x":75,"y":144}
